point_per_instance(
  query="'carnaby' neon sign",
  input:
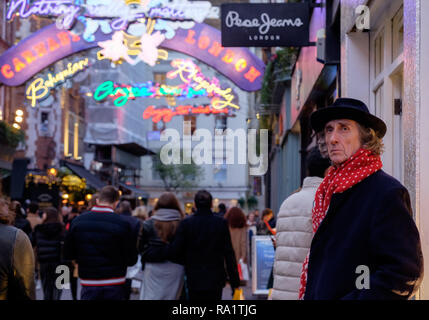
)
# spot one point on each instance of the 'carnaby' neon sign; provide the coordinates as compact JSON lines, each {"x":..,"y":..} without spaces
{"x":190,"y":73}
{"x":166,"y":114}
{"x":39,"y":89}
{"x":29,"y":57}
{"x":121,"y":93}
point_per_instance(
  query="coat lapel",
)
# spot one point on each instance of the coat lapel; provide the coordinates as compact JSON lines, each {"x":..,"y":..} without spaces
{"x":337,"y":200}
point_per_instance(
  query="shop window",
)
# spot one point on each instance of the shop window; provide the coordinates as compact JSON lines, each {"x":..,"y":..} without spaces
{"x":397,"y":34}
{"x":379,"y":101}
{"x":221,"y":123}
{"x":387,"y":85}
{"x":379,"y":53}
{"x":159,"y":77}
{"x":155,"y":175}
{"x":158,"y":126}
{"x":219,"y":173}
{"x":193,"y":120}
{"x":44,"y":123}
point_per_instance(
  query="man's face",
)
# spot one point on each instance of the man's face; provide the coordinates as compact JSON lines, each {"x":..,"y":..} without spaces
{"x":342,"y":138}
{"x":321,"y":142}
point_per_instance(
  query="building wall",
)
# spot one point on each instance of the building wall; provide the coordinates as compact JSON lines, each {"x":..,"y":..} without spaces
{"x":405,"y":76}
{"x":235,"y":185}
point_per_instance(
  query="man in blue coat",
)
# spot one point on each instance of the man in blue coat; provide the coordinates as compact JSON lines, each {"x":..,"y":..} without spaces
{"x":103,"y":244}
{"x":366,"y":244}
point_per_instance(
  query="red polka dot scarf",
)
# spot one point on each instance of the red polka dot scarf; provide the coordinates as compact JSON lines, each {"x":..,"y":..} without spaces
{"x":355,"y":169}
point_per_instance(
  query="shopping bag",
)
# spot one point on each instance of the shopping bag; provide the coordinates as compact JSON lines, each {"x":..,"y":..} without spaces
{"x":243,"y":270}
{"x":238,"y":294}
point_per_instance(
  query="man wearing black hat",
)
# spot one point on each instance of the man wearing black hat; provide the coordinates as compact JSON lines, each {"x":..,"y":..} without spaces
{"x":366,"y":244}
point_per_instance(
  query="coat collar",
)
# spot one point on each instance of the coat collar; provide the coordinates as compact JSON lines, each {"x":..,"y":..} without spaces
{"x":102,"y":209}
{"x":312,"y":182}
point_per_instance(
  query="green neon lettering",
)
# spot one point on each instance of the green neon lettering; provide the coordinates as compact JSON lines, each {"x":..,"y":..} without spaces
{"x":103,"y":90}
{"x":122,"y":99}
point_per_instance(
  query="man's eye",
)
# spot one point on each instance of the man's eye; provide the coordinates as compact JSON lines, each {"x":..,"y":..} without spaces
{"x":345,"y":129}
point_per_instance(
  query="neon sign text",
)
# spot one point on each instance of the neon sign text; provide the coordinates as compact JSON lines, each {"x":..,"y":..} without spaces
{"x":204,"y":42}
{"x":39,"y":89}
{"x":122,"y":93}
{"x":228,"y":56}
{"x":63,"y":8}
{"x":188,"y":72}
{"x":124,"y":14}
{"x":37,"y":51}
{"x":166,"y":114}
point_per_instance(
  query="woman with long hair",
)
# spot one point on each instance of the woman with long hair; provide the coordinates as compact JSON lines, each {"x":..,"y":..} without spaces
{"x":237,"y":224}
{"x":48,"y":238}
{"x":163,"y":280}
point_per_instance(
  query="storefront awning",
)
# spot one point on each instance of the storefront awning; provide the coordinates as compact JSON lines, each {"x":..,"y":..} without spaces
{"x":135,"y":191}
{"x":91,"y":180}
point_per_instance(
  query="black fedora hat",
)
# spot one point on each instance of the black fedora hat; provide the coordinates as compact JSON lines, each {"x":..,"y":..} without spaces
{"x":347,"y":108}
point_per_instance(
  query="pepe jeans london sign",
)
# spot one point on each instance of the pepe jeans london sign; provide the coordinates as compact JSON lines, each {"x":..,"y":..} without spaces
{"x":265,"y":25}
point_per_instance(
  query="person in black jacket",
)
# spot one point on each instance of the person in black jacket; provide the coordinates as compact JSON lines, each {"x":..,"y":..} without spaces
{"x":48,"y":239}
{"x":16,"y":260}
{"x":103,"y":245}
{"x":125,"y":212}
{"x":204,"y":243}
{"x":366,"y":244}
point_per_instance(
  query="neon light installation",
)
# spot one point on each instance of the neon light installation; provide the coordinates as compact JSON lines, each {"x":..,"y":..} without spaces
{"x":121,"y":93}
{"x":37,"y":51}
{"x":166,"y":114}
{"x":190,"y":73}
{"x":71,"y":10}
{"x":39,"y":89}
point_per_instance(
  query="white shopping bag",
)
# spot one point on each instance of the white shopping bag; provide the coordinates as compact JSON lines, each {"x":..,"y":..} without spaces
{"x":244,"y":270}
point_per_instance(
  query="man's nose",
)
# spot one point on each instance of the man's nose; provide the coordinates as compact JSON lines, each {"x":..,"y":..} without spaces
{"x":333,"y":137}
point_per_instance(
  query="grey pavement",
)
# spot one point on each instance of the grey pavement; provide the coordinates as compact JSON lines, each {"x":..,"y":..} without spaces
{"x":226,"y":295}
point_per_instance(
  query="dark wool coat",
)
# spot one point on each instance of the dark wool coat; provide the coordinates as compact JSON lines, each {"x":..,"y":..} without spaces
{"x":204,"y":243}
{"x":371,"y":225}
{"x":102,"y":243}
{"x":48,"y":238}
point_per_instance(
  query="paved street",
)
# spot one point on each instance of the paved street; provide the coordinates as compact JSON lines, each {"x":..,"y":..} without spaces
{"x":226,"y":295}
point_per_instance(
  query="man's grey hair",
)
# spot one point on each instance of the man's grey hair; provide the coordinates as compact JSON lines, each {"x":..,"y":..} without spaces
{"x":370,"y":140}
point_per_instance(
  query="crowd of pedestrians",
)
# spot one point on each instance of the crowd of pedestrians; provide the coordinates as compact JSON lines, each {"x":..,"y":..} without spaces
{"x":348,"y":214}
{"x":181,"y":257}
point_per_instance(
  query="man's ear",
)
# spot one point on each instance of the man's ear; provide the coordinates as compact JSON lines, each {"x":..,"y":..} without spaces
{"x":97,"y":201}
